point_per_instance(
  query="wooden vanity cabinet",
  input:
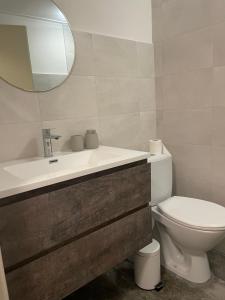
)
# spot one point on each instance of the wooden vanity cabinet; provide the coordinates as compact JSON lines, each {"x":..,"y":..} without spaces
{"x":58,"y":238}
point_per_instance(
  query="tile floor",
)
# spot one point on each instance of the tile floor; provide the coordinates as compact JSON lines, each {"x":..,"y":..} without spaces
{"x":118,"y":284}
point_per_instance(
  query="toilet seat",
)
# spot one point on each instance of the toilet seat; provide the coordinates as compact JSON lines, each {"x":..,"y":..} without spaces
{"x":194,"y":213}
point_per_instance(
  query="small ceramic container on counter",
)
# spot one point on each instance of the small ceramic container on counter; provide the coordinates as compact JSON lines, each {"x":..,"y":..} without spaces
{"x":77,"y":143}
{"x":91,"y":139}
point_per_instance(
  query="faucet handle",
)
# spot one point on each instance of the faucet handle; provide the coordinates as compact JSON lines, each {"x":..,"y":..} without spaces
{"x":46,"y":132}
{"x":52,"y":128}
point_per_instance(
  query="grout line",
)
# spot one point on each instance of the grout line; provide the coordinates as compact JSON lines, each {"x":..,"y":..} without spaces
{"x":201,"y":28}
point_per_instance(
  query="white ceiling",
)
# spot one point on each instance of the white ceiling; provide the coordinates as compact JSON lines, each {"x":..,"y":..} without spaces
{"x":44,"y":9}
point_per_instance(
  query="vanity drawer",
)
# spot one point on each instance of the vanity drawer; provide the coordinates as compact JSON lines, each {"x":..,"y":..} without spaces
{"x":66,"y":269}
{"x":32,"y":226}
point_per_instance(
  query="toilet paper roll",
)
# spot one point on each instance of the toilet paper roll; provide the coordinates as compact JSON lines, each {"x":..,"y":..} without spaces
{"x":3,"y":286}
{"x":155,"y":147}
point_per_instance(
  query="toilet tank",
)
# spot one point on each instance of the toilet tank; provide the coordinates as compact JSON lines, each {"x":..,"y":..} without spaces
{"x":161,"y":177}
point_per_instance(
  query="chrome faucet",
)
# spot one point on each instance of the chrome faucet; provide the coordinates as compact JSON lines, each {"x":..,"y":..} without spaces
{"x":47,"y":141}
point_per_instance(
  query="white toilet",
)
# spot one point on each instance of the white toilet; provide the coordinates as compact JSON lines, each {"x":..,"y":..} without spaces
{"x":188,"y":227}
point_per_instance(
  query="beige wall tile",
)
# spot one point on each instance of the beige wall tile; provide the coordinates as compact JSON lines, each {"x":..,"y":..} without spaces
{"x":17,"y":105}
{"x":181,"y":16}
{"x":219,"y":44}
{"x":159,"y":93}
{"x":188,"y":52}
{"x":218,"y":175}
{"x":115,"y":57}
{"x":189,"y":90}
{"x":146,"y":66}
{"x":159,"y":124}
{"x":21,"y":140}
{"x":125,"y":95}
{"x":147,"y":128}
{"x":176,"y":17}
{"x":192,"y":171}
{"x":219,"y":87}
{"x":218,"y":194}
{"x":187,"y":127}
{"x":146,"y":94}
{"x":76,"y":98}
{"x":121,"y":131}
{"x":218,"y":126}
{"x":217,"y":11}
{"x":84,"y":61}
{"x":117,"y":95}
{"x":157,"y":20}
{"x":158,"y":58}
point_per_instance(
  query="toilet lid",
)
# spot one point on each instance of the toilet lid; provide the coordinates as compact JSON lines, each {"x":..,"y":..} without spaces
{"x":194,"y":212}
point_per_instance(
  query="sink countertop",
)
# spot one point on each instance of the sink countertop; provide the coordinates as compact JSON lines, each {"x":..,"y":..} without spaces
{"x":29,"y":174}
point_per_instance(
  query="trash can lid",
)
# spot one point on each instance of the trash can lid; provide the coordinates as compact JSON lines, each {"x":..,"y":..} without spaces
{"x":151,"y":249}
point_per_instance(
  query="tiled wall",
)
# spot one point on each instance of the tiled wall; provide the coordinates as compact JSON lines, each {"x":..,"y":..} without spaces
{"x":189,"y":38}
{"x":111,"y":89}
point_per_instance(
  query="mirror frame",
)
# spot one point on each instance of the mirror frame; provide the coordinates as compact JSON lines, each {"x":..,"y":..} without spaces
{"x":70,"y":72}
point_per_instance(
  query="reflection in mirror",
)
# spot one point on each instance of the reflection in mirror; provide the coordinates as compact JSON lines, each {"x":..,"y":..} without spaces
{"x":36,"y":44}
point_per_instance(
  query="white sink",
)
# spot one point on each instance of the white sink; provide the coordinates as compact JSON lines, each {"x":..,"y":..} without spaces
{"x":21,"y":176}
{"x":64,"y":164}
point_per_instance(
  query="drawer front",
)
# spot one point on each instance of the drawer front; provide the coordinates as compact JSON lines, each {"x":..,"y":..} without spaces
{"x":63,"y":271}
{"x":30,"y":227}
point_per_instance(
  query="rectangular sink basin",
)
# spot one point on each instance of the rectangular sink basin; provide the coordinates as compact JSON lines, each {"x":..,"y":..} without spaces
{"x":63,"y":164}
{"x":22,"y":176}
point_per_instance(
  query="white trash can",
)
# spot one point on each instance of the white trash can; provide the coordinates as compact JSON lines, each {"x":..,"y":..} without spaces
{"x":147,"y":266}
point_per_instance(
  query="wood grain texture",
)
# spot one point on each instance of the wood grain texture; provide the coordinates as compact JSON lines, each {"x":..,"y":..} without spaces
{"x":29,"y":227}
{"x":61,"y":272}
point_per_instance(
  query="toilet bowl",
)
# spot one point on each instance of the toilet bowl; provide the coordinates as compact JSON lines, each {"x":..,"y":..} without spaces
{"x":185,"y":244}
{"x":188,"y":227}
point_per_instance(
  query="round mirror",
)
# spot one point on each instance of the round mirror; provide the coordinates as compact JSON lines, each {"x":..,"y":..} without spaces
{"x":37,"y":49}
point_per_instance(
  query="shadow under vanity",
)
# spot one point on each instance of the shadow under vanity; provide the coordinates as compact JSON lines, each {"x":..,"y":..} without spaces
{"x":57,"y":238}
